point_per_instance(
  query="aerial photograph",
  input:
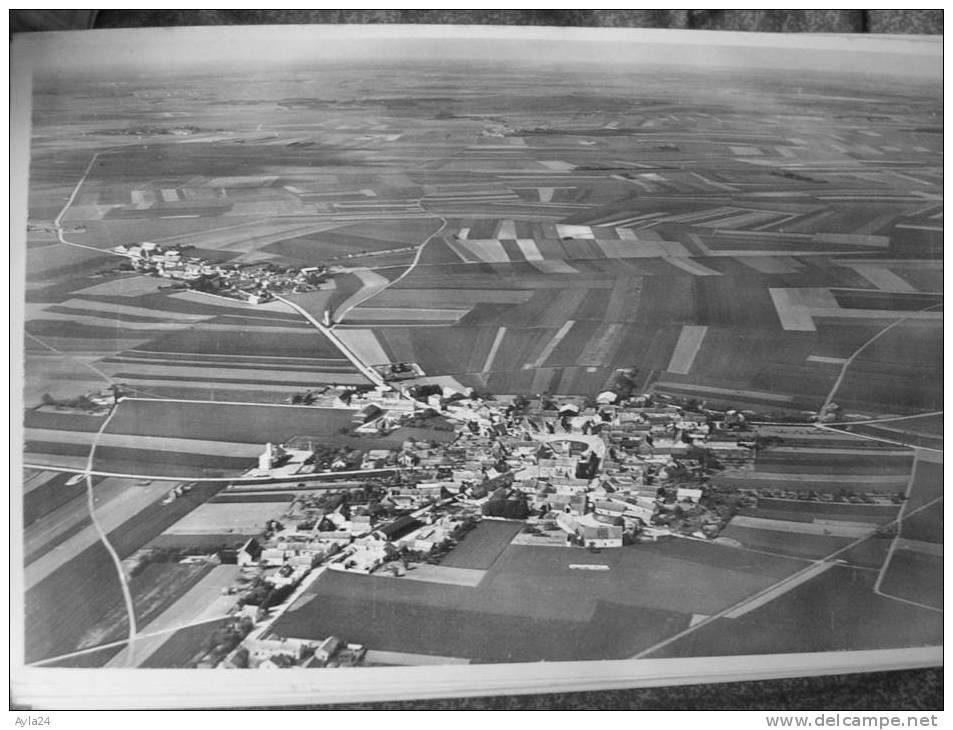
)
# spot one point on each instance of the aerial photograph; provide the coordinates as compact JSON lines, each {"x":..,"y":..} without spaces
{"x":397,"y":359}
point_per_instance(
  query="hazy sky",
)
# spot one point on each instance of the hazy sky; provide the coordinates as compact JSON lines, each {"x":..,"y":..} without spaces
{"x":195,"y":48}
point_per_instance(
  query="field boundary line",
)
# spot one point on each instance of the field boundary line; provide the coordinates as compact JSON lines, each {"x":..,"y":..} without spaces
{"x":413,"y":264}
{"x":62,"y":354}
{"x":235,"y":403}
{"x":366,"y":370}
{"x":794,"y":576}
{"x":887,"y":419}
{"x":121,"y":642}
{"x":58,"y":221}
{"x":877,"y":438}
{"x":222,"y":355}
{"x":899,"y":519}
{"x":868,"y":343}
{"x":123,"y":585}
{"x":109,"y":379}
{"x":803,"y":576}
{"x":893,"y":543}
{"x":235,"y":479}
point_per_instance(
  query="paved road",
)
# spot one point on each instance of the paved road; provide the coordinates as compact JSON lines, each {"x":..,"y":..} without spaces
{"x":365,"y":369}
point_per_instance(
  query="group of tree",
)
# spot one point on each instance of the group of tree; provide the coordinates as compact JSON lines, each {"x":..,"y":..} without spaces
{"x":265,"y":595}
{"x":80,"y":403}
{"x":514,"y":506}
{"x":223,"y":640}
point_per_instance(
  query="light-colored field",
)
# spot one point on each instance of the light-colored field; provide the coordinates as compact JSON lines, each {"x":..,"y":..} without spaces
{"x":771,"y":264}
{"x":91,"y":306}
{"x":371,"y":283}
{"x":487,"y":250}
{"x":127,"y":286}
{"x":691,"y":266}
{"x":494,"y":348}
{"x":554,"y":267}
{"x":188,"y":374}
{"x":405,"y":659}
{"x":466,"y":577}
{"x":798,"y":308}
{"x":172,"y":445}
{"x":826,"y":360}
{"x":226,"y":303}
{"x":529,"y":249}
{"x":58,"y":375}
{"x":686,"y":349}
{"x":605,"y":341}
{"x":363,"y":343}
{"x":553,"y":343}
{"x":883,"y":278}
{"x":249,"y":236}
{"x":448,"y":298}
{"x":795,"y":306}
{"x":111,"y":322}
{"x":920,"y":546}
{"x":65,"y":517}
{"x":240,"y":517}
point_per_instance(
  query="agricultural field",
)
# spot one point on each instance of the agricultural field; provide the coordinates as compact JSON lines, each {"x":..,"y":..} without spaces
{"x":482,"y":545}
{"x":754,"y":240}
{"x":837,"y":610}
{"x":85,"y":579}
{"x":530,"y":601}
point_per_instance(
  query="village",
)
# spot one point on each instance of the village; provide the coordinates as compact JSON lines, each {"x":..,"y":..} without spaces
{"x":249,"y":283}
{"x":590,"y":474}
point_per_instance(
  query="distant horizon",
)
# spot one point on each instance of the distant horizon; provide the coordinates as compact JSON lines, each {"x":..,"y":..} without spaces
{"x":176,"y":49}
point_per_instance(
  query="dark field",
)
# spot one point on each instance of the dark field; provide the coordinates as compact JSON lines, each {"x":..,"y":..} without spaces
{"x":182,"y":646}
{"x":835,"y":611}
{"x":309,"y":343}
{"x":578,"y":218}
{"x":870,"y":553}
{"x":914,"y":576}
{"x":787,"y":543}
{"x":614,"y":632}
{"x":531,"y":597}
{"x":251,"y":424}
{"x":88,"y":584}
{"x":482,"y":545}
{"x":927,"y":484}
{"x":830,"y":510}
{"x":61,"y":421}
{"x":826,"y":482}
{"x":259,"y":497}
{"x":925,"y":525}
{"x":52,"y":495}
{"x":204,"y":543}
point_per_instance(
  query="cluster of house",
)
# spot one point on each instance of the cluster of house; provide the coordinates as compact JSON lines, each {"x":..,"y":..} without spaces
{"x":254,"y":285}
{"x":600,"y":474}
{"x":258,"y":652}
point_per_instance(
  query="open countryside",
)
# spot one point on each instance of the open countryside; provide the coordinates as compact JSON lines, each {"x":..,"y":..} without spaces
{"x":371,"y":364}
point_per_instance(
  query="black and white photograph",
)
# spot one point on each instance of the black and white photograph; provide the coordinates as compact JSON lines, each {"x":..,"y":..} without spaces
{"x":422,"y":361}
